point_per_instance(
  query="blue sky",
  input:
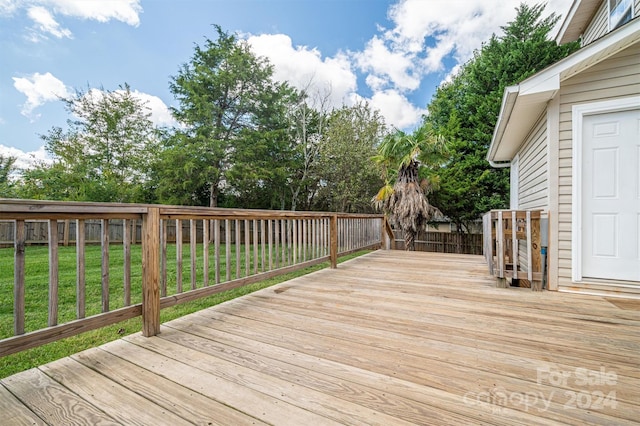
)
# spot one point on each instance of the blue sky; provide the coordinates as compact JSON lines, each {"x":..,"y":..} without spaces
{"x":392,"y":54}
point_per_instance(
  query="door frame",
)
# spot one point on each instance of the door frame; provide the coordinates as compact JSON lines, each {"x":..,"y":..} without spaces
{"x":578,"y":113}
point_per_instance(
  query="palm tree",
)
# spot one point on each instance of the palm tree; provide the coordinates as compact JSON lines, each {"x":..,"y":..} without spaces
{"x":408,"y":162}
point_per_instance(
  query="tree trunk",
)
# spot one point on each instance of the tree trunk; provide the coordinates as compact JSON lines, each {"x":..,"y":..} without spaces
{"x":409,"y":240}
{"x":213,"y":195}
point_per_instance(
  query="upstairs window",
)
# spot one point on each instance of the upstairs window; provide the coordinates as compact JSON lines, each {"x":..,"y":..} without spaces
{"x":620,"y":12}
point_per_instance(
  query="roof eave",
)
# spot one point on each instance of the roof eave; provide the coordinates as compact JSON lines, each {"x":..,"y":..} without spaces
{"x":523,"y":104}
{"x":577,"y":19}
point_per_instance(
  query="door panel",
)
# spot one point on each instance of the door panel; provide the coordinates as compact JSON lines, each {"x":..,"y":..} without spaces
{"x":611,"y":196}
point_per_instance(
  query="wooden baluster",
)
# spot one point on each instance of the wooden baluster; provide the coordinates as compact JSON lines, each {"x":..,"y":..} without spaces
{"x":247,"y":248}
{"x":237,"y":246}
{"x":164,"y":236}
{"x":178,"y":256}
{"x":80,"y":269}
{"x":205,"y":252}
{"x":227,"y":243}
{"x":501,"y":281}
{"x":255,"y":246}
{"x":515,"y":260}
{"x":126,"y":253}
{"x":216,"y":237}
{"x":193,"y":245}
{"x":18,"y":277}
{"x":53,"y":272}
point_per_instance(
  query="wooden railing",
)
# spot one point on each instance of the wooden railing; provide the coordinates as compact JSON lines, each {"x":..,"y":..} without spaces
{"x":512,"y":247}
{"x":221,"y":249}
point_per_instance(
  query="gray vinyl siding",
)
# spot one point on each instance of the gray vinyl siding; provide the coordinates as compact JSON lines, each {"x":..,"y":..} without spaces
{"x":533,"y":184}
{"x":616,"y":77}
{"x":598,"y":26}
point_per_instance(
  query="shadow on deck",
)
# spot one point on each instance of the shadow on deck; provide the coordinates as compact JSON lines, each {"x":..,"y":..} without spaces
{"x":387,"y":338}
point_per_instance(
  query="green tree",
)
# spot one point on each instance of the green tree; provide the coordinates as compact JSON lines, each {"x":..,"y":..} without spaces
{"x":308,"y":118}
{"x":409,"y":163}
{"x":7,"y":166}
{"x":263,"y":157}
{"x":465,"y":111}
{"x":102,"y":156}
{"x":221,"y":91}
{"x":344,"y":169}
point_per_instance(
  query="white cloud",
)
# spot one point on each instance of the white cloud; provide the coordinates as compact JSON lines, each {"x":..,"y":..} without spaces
{"x":46,"y":23}
{"x":395,"y":61}
{"x":8,"y":7}
{"x":25,"y":160}
{"x":127,"y":11}
{"x":39,"y":89}
{"x":388,"y":64}
{"x":160,"y":113}
{"x":426,"y":33}
{"x":45,"y":14}
{"x":305,"y":69}
{"x":397,"y":109}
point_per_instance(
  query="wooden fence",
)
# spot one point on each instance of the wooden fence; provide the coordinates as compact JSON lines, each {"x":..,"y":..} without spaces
{"x":442,"y":242}
{"x":222,"y":249}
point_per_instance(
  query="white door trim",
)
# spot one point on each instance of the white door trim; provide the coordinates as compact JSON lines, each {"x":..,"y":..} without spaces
{"x":578,"y":114}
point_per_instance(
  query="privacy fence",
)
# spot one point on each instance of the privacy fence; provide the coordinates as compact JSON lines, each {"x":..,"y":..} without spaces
{"x":442,"y":242}
{"x":142,"y":268}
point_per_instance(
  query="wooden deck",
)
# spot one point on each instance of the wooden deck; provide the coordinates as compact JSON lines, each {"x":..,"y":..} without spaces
{"x":388,"y":338}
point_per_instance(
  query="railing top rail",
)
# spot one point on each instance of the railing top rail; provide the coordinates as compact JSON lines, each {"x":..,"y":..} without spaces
{"x":38,"y":209}
{"x":520,"y":214}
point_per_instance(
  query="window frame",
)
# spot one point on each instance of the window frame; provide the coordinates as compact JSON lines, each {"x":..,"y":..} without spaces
{"x":627,"y":9}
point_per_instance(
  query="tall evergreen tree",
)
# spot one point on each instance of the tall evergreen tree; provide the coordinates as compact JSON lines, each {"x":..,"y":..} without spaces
{"x":465,"y":111}
{"x":221,"y":92}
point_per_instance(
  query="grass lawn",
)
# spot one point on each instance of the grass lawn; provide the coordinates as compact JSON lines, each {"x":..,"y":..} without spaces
{"x":36,"y":300}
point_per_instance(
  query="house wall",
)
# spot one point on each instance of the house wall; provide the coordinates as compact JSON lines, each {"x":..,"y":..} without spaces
{"x":533,"y":182}
{"x":599,"y":25}
{"x":533,"y":187}
{"x":616,"y":77}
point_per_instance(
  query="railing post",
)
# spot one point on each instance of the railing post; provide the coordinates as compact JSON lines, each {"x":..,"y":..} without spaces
{"x":150,"y":272}
{"x":333,"y":250}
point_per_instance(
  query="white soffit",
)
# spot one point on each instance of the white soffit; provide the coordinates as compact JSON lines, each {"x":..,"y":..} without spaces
{"x":577,"y":19}
{"x":523,"y":104}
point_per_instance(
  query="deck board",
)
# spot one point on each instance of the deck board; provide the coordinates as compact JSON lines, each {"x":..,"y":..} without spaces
{"x":388,"y":338}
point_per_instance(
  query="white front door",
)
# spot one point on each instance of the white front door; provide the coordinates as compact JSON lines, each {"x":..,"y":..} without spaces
{"x":611,"y":196}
